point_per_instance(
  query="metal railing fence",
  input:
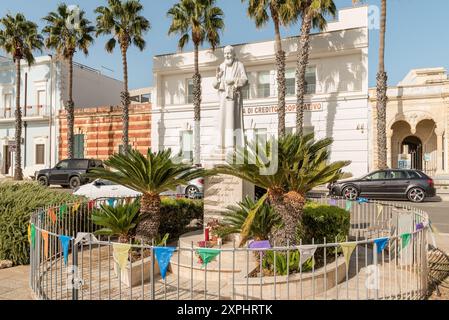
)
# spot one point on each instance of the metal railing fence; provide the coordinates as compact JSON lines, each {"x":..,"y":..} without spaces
{"x":362,"y":266}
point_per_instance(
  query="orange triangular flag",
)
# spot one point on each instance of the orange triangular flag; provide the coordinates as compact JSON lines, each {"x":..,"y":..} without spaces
{"x":45,"y":237}
{"x":52,"y":214}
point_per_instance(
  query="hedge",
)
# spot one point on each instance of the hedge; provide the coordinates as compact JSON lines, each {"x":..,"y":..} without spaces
{"x":18,"y":200}
{"x":177,"y":214}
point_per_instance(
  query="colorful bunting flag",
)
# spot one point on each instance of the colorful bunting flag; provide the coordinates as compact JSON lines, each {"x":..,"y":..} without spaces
{"x":380,"y":210}
{"x":65,"y":242}
{"x":207,"y":255}
{"x":405,"y":240}
{"x":381,"y":244}
{"x":51,"y":213}
{"x":85,"y":238}
{"x":111,"y":202}
{"x":91,"y":204}
{"x":419,"y":226}
{"x":163,"y":256}
{"x":75,"y":207}
{"x":348,"y":248}
{"x":62,"y":211}
{"x":260,"y":245}
{"x":305,"y":253}
{"x":45,"y":238}
{"x":120,"y":253}
{"x":348,"y":205}
{"x":29,"y":233}
{"x":32,"y":235}
{"x":362,"y":200}
{"x":333,"y":202}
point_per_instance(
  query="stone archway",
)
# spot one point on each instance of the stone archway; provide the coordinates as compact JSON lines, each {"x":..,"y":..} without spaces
{"x":414,"y":145}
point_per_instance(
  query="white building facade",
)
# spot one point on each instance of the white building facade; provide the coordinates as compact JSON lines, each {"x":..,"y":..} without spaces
{"x":337,"y":96}
{"x":44,"y":88}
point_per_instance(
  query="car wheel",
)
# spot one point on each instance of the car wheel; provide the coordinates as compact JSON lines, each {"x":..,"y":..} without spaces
{"x":192,"y":192}
{"x":416,"y":195}
{"x":43,"y":181}
{"x":74,"y":182}
{"x":350,"y":193}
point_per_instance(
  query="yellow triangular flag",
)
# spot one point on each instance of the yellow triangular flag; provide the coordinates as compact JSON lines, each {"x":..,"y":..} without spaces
{"x":120,"y":252}
{"x":45,"y":238}
{"x":29,"y":233}
{"x":380,"y":210}
{"x":75,"y":207}
{"x":348,"y":248}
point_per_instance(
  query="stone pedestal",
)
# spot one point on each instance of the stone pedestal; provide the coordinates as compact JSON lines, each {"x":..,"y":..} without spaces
{"x":222,"y":191}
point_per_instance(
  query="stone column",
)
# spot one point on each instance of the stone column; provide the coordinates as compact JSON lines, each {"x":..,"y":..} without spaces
{"x":440,"y":149}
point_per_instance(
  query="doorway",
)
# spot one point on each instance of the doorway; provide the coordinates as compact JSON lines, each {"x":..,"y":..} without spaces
{"x":6,"y":160}
{"x":413,"y":146}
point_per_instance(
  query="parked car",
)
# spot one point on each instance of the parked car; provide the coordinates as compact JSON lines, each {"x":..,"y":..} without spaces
{"x":413,"y":185}
{"x":106,"y":189}
{"x":68,"y":173}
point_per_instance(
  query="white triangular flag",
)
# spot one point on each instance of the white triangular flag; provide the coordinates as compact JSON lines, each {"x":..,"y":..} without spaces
{"x":305,"y":253}
{"x":85,"y":238}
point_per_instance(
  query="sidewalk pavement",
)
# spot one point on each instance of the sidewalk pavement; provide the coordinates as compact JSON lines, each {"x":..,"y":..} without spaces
{"x":14,"y":283}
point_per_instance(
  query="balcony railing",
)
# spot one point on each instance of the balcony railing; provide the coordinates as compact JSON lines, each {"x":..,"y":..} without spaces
{"x":29,"y":111}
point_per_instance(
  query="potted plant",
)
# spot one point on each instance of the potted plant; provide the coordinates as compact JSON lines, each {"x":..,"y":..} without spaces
{"x":121,"y":221}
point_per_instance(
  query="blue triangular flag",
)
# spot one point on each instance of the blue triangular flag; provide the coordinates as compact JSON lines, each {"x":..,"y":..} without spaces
{"x":65,"y":241}
{"x":381,"y":244}
{"x":163,"y":256}
{"x":111,"y":202}
{"x":362,"y":200}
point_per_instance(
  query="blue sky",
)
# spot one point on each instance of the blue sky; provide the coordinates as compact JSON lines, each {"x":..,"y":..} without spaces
{"x":417,"y":35}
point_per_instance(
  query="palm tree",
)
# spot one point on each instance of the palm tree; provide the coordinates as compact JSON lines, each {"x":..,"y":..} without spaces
{"x":313,"y":14}
{"x":150,"y":175}
{"x":19,"y":38}
{"x":382,"y":98}
{"x":282,"y":13}
{"x":66,"y":37}
{"x":200,"y":21}
{"x":302,"y":165}
{"x":123,"y":20}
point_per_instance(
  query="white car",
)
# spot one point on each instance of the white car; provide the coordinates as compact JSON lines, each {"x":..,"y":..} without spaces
{"x":106,"y":189}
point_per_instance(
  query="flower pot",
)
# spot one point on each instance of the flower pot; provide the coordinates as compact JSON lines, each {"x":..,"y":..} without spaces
{"x":131,"y":276}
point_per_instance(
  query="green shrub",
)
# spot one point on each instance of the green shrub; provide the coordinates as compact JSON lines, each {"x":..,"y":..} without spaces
{"x":176,"y":215}
{"x":323,"y":221}
{"x":17,"y":202}
{"x":281,"y":263}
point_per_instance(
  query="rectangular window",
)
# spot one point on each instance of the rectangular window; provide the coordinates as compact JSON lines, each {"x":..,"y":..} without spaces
{"x":79,"y":146}
{"x":263,"y":84}
{"x":187,"y":145}
{"x":145,"y":98}
{"x":311,"y":80}
{"x":40,"y":154}
{"x":189,"y":91}
{"x":134,"y":99}
{"x":290,"y":82}
{"x":7,"y":102}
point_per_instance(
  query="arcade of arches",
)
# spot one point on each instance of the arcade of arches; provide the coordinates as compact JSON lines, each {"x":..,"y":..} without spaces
{"x":417,"y":123}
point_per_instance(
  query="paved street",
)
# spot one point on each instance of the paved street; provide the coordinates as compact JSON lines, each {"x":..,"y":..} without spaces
{"x":439,"y":214}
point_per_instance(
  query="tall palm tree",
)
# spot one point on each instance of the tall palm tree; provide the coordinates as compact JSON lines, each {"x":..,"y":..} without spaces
{"x":313,"y":14}
{"x":123,"y":20}
{"x":19,"y":37}
{"x":382,"y":98}
{"x":150,"y":175}
{"x":66,"y":34}
{"x":200,"y":21}
{"x":302,"y":166}
{"x":282,"y":13}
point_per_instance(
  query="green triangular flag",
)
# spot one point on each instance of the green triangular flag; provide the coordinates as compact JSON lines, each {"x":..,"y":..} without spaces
{"x":405,"y":240}
{"x":62,"y":210}
{"x":348,"y":205}
{"x":33,"y":235}
{"x":207,"y":255}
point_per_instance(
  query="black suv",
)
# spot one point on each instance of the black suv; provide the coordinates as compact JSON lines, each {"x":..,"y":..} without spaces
{"x":68,"y":173}
{"x":413,"y":185}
